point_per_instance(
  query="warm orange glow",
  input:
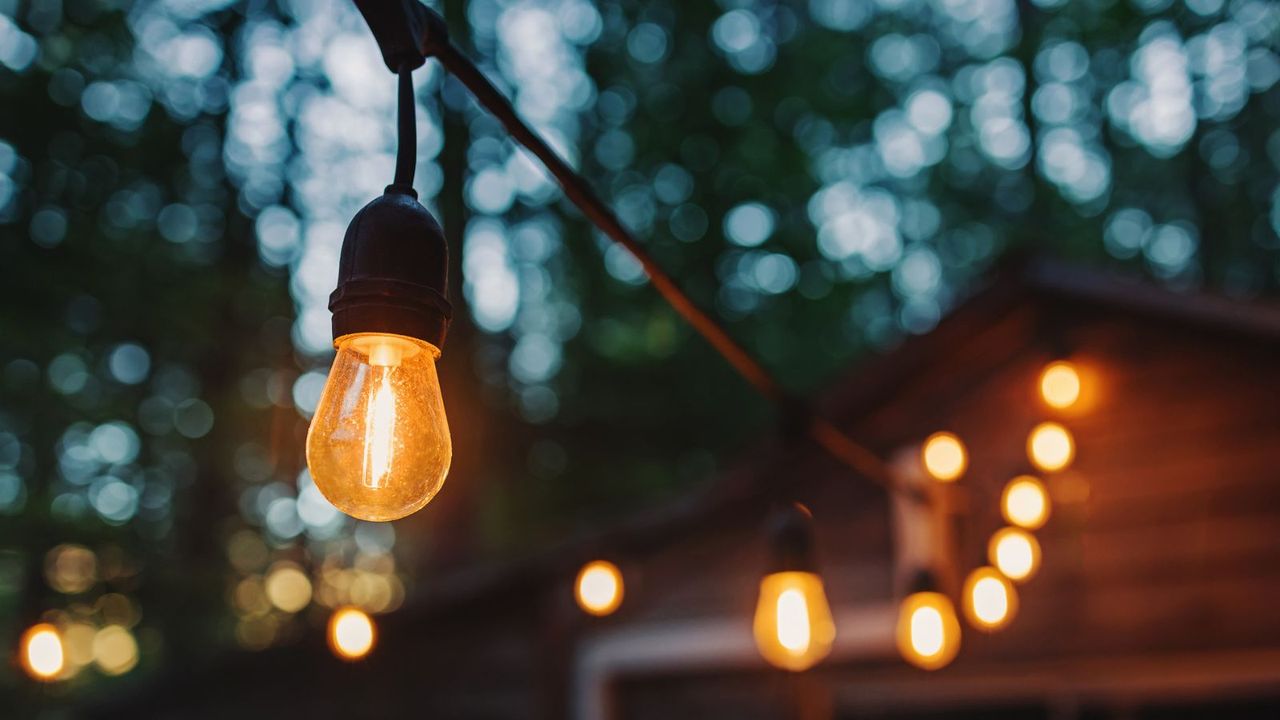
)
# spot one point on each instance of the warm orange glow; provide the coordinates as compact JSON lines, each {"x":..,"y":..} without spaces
{"x":1025,"y":502}
{"x":928,"y":632}
{"x":944,"y":456}
{"x":793,"y":625}
{"x":599,"y":587}
{"x":42,"y":654}
{"x":990,"y":602}
{"x":379,"y":445}
{"x":1051,"y":447}
{"x":1060,"y":384}
{"x":1015,"y":553}
{"x":351,"y":633}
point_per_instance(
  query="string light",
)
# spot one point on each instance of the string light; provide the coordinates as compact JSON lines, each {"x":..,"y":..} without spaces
{"x":944,"y":456}
{"x":928,"y":632}
{"x":793,"y":626}
{"x":1060,"y":384}
{"x":598,"y":588}
{"x":1015,"y":553}
{"x":1025,"y":502}
{"x":1051,"y":447}
{"x":42,"y":653}
{"x":990,"y":602}
{"x":351,"y":633}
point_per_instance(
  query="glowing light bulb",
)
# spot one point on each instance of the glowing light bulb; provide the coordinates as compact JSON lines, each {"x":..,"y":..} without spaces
{"x":379,"y":446}
{"x":990,"y":602}
{"x":598,"y":588}
{"x":944,"y":456}
{"x":793,"y":625}
{"x":1051,"y":447}
{"x":42,"y":653}
{"x":1015,"y":553}
{"x":1025,"y":502}
{"x":1060,"y":384}
{"x":928,"y":632}
{"x":351,"y":633}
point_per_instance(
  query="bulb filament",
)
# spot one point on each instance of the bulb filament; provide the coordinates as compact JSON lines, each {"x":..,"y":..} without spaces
{"x":380,"y":420}
{"x":793,"y":621}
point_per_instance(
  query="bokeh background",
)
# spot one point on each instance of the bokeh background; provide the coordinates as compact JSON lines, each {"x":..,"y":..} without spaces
{"x":828,"y":176}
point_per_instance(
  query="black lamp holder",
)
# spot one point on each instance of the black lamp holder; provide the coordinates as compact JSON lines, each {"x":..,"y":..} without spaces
{"x":790,"y":530}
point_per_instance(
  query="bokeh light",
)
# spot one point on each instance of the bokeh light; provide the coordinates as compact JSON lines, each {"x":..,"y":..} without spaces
{"x":1015,"y":553}
{"x":287,"y":587}
{"x":1025,"y":502}
{"x":1060,"y":384}
{"x":944,"y":456}
{"x":928,"y":633}
{"x":351,"y":633}
{"x":115,"y":651}
{"x":990,"y":601}
{"x":42,"y":651}
{"x":598,"y":588}
{"x":1050,"y":446}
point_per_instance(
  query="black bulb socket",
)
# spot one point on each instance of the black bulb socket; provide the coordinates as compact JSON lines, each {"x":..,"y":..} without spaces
{"x":393,"y":275}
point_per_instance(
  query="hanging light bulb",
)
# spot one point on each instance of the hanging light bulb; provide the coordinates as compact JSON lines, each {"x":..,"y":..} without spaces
{"x":351,"y":633}
{"x":598,"y":588}
{"x":1050,"y":446}
{"x":1015,"y":553}
{"x":928,"y":632}
{"x":990,"y":602}
{"x":42,"y":652}
{"x":793,"y":626}
{"x":1025,"y":502}
{"x":1060,"y":384}
{"x":944,"y":456}
{"x":379,"y":445}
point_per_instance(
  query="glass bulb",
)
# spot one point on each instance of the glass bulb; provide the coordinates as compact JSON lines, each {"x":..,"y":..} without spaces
{"x":379,"y":446}
{"x":599,"y":587}
{"x":793,"y":625}
{"x":990,"y":602}
{"x":928,"y":631}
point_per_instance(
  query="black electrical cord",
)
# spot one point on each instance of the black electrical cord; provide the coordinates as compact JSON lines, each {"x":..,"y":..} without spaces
{"x":407,"y":129}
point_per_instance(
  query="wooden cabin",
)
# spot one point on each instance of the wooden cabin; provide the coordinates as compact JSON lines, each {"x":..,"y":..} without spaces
{"x":1157,"y":597}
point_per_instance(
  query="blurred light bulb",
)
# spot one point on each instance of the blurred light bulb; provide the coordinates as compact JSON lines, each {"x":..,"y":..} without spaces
{"x":944,"y":456}
{"x":1015,"y":553}
{"x":990,"y":602}
{"x":351,"y":633}
{"x":42,"y":655}
{"x":599,"y":587}
{"x":379,"y":445}
{"x":1060,"y":384}
{"x":793,"y":625}
{"x":1025,"y":502}
{"x":1050,"y":446}
{"x":928,"y":632}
